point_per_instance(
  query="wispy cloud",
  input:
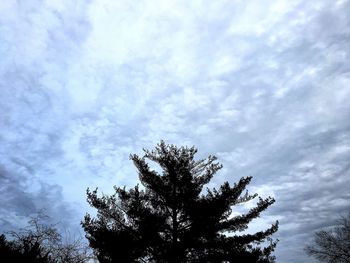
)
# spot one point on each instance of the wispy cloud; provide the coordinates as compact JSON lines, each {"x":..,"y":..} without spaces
{"x":264,"y":85}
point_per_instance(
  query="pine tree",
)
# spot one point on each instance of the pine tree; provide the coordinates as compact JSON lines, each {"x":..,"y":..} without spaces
{"x":173,"y":219}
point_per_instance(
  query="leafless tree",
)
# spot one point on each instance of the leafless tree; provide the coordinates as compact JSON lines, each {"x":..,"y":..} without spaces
{"x":47,"y":243}
{"x":333,"y":245}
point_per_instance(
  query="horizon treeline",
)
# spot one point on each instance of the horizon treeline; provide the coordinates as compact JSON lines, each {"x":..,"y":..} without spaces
{"x":172,"y":217}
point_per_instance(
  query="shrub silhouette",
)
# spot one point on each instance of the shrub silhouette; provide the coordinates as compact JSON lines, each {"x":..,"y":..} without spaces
{"x":41,"y":243}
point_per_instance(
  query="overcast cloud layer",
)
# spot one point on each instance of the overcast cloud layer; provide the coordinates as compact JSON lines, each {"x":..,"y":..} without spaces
{"x":264,"y":85}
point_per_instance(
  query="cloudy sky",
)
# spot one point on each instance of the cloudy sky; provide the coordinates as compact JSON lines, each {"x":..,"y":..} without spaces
{"x":263,"y":85}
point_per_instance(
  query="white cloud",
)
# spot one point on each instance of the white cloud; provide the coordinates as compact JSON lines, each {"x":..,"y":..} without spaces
{"x":262,"y":84}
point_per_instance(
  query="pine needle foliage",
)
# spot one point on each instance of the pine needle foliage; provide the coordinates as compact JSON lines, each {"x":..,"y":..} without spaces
{"x":174,"y":218}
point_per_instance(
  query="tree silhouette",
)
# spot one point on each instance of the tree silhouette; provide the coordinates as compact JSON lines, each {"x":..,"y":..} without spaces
{"x":41,"y":243}
{"x":332,"y":245}
{"x":172,"y":219}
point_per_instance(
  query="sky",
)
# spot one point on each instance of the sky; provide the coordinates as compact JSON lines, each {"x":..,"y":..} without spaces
{"x":263,"y":85}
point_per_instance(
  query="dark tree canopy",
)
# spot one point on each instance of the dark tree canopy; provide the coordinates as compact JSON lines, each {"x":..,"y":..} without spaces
{"x":41,"y":243}
{"x":172,"y":219}
{"x":332,"y":245}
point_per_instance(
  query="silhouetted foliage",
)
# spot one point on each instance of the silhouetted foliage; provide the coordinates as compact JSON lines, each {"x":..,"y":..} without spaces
{"x":41,"y":243}
{"x":173,"y":219}
{"x":332,"y":245}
